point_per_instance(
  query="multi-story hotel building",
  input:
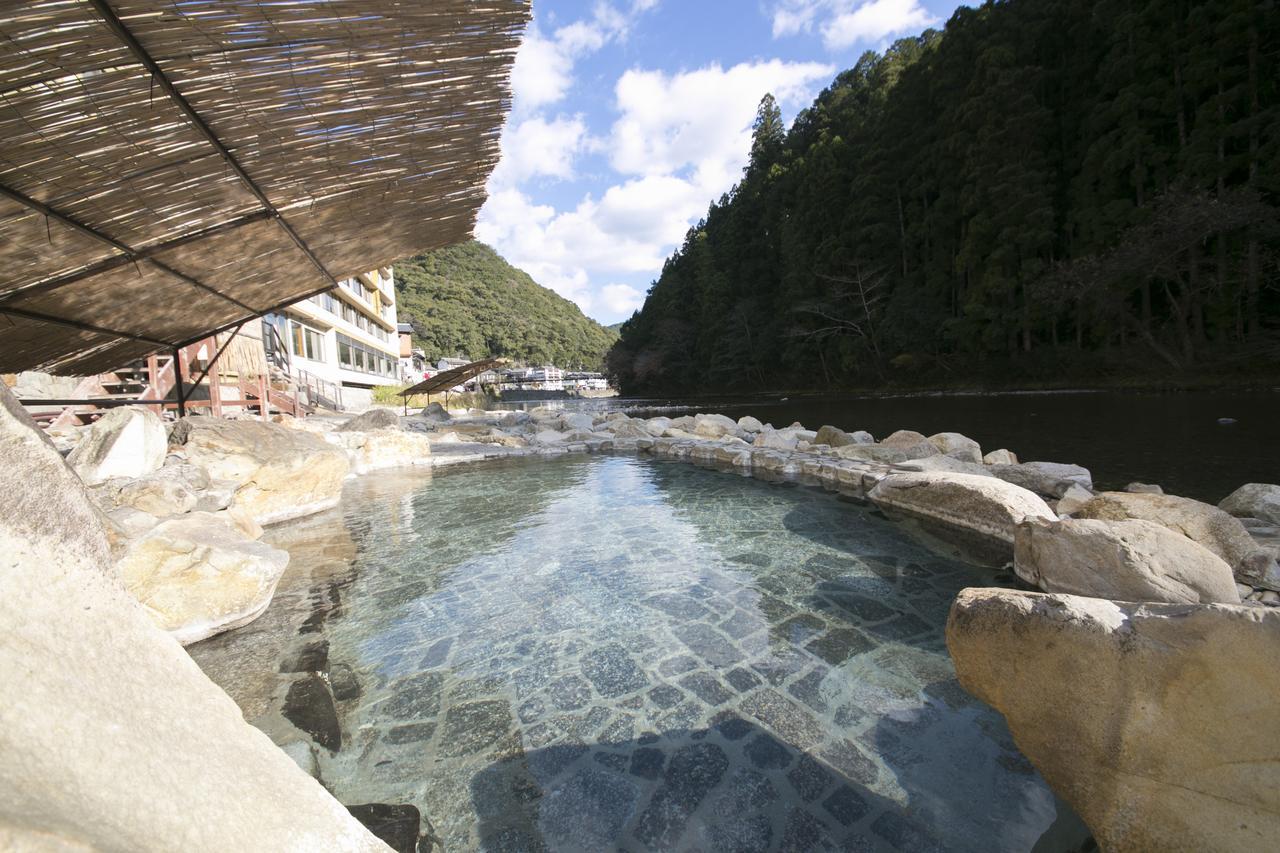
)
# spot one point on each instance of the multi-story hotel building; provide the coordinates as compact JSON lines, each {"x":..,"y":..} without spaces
{"x":343,"y":343}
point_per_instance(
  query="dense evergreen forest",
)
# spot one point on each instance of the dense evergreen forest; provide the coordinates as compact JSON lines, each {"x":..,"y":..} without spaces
{"x":467,"y":301}
{"x":1046,"y":191}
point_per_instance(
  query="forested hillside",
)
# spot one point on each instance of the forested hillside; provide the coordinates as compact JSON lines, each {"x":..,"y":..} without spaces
{"x":467,"y":301}
{"x":1047,"y":190}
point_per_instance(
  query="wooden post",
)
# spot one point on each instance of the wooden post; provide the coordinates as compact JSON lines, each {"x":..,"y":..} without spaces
{"x":264,"y":400}
{"x":177,"y":382}
{"x":215,"y":390}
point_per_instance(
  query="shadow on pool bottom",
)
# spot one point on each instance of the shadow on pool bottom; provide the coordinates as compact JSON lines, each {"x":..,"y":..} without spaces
{"x":730,"y":788}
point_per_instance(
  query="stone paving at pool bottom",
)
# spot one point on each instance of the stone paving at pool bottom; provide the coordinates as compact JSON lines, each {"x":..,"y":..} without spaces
{"x":613,"y":653}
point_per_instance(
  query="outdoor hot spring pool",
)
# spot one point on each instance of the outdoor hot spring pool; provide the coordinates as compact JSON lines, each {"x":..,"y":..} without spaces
{"x":609,"y":653}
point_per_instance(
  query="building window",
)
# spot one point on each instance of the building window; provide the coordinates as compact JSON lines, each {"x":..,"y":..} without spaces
{"x":354,"y":355}
{"x":307,"y":342}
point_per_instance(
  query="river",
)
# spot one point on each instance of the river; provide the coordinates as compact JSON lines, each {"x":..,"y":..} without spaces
{"x":1178,"y":440}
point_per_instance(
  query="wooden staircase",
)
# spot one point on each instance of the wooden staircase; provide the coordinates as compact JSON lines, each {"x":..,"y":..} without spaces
{"x":155,"y":378}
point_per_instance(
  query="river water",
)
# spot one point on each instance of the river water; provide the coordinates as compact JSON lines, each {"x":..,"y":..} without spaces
{"x":1172,"y":439}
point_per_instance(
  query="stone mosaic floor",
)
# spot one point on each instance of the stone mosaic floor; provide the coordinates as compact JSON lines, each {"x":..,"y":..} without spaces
{"x":609,"y":653}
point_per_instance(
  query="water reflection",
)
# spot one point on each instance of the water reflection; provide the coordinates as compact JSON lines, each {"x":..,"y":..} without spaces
{"x":609,"y":652}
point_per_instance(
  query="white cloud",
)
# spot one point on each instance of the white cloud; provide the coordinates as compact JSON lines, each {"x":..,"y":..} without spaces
{"x":680,"y":140}
{"x":543,"y":72}
{"x":700,"y":118}
{"x":540,"y":147}
{"x":844,"y":23}
{"x":621,"y":299}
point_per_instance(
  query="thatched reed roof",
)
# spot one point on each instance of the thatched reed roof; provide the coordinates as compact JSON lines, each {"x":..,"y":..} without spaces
{"x":452,"y":378}
{"x":170,"y":169}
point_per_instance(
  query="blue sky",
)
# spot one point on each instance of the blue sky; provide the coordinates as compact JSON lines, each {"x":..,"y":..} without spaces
{"x":631,"y":116}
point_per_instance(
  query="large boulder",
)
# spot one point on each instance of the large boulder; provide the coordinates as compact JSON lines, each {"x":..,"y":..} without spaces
{"x":985,"y":506}
{"x":1203,"y":523}
{"x":1123,"y":560}
{"x":750,"y":424}
{"x":887,"y":453}
{"x":835,"y":437}
{"x":776,"y":439}
{"x":172,"y":490}
{"x":1000,"y":457}
{"x":384,"y":448}
{"x":374,"y":419}
{"x":714,"y":426}
{"x":111,"y":736}
{"x":197,"y":576}
{"x":571,"y":421}
{"x":1254,"y":500}
{"x":1156,"y":722}
{"x":281,"y":473}
{"x":957,"y":446}
{"x":943,"y":463}
{"x":1045,"y":478}
{"x":657,"y":426}
{"x":628,"y":428}
{"x":126,"y":442}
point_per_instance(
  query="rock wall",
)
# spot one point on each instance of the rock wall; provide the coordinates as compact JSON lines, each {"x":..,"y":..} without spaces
{"x":110,"y":736}
{"x":1156,"y":722}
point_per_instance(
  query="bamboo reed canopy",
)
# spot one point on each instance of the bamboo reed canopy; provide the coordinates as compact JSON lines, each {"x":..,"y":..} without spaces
{"x":452,"y":378}
{"x":170,"y":169}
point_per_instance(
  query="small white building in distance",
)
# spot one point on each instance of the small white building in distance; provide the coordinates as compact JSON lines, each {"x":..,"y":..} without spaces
{"x":343,"y":343}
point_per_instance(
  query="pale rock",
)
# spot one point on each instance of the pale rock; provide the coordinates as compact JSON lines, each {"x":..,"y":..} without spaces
{"x":111,"y":736}
{"x":198,"y":576}
{"x":435,"y":412}
{"x":657,"y":426}
{"x":280,"y":473}
{"x":1271,"y":597}
{"x":985,"y":506}
{"x":374,"y":419}
{"x":957,"y":446}
{"x":383,"y":448}
{"x":679,"y":434}
{"x":1074,"y":499}
{"x":1045,"y":478}
{"x":514,"y":419}
{"x":774,"y":439}
{"x":1123,"y":560}
{"x":1000,"y":457}
{"x":861,"y":437}
{"x":1254,"y":500}
{"x":129,"y":441}
{"x":241,"y":521}
{"x":132,"y":522}
{"x":548,"y":437}
{"x":942,"y":463}
{"x":887,"y":454}
{"x":1244,"y":590}
{"x":1157,"y":723}
{"x":750,"y":424}
{"x":713,"y":426}
{"x":1200,"y":522}
{"x":577,"y":422}
{"x":1144,"y":489}
{"x":831,"y":436}
{"x":685,"y":423}
{"x":628,"y":428}
{"x":171,"y":490}
{"x":904,"y":438}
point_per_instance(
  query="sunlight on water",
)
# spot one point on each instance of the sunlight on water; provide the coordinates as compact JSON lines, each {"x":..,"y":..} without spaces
{"x":610,"y":653}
